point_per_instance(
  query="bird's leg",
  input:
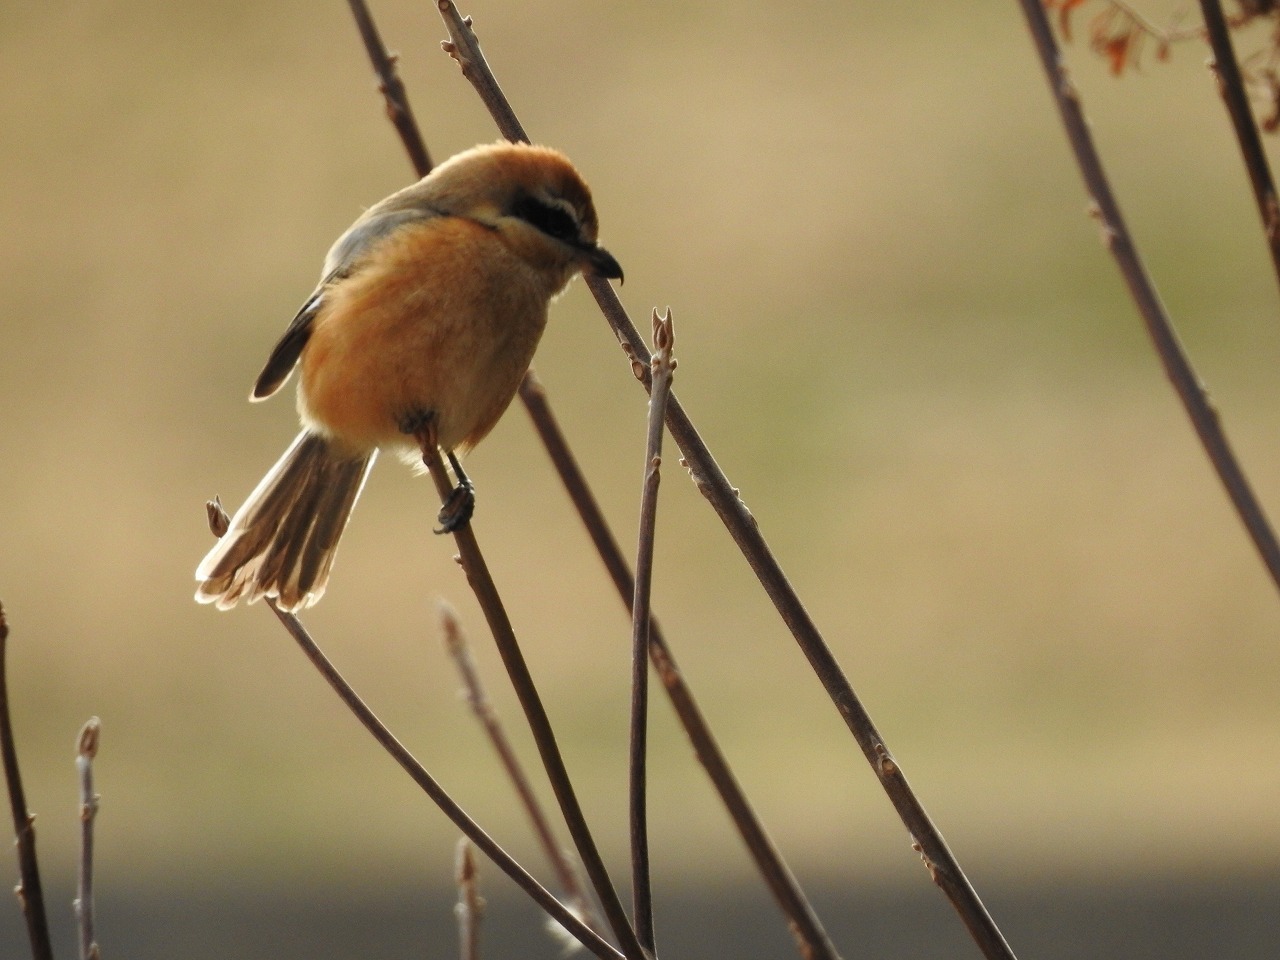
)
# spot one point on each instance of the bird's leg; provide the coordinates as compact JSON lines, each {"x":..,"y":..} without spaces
{"x":461,"y":502}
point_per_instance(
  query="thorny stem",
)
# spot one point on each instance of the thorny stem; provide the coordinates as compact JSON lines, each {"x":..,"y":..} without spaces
{"x":29,"y":891}
{"x":662,"y":371}
{"x":86,"y":751}
{"x":1200,"y":410}
{"x":478,"y":700}
{"x":1231,"y":85}
{"x":486,"y":591}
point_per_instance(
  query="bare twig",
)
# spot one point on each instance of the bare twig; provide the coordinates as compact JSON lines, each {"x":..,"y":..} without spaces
{"x":86,"y":750}
{"x":803,"y":922}
{"x":418,"y":773}
{"x":662,"y":370}
{"x":392,"y":88}
{"x":486,"y":591}
{"x":1231,"y":84}
{"x":1200,"y":410}
{"x":562,"y":914}
{"x":29,"y":891}
{"x":742,"y":527}
{"x":464,"y":47}
{"x":478,"y":699}
{"x":470,"y":904}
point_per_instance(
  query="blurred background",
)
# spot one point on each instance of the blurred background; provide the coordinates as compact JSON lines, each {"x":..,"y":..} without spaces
{"x":898,"y":333}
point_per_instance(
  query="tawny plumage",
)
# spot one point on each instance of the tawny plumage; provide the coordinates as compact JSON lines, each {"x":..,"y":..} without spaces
{"x":429,"y":306}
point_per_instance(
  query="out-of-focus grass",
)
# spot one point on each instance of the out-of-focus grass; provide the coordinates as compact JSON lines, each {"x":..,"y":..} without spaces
{"x":895,"y":327}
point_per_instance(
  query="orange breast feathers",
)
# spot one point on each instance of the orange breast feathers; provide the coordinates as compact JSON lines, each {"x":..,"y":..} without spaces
{"x":440,"y":317}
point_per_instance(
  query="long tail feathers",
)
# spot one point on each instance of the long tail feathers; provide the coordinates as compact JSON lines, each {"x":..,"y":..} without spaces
{"x":281,"y":543}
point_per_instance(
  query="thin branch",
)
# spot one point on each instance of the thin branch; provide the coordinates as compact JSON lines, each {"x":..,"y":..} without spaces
{"x":473,"y":831}
{"x":470,"y":904}
{"x":464,"y":47}
{"x":218,"y":523}
{"x":478,"y":700}
{"x":86,"y":751}
{"x":486,"y":591}
{"x":29,"y":892}
{"x":662,"y":370}
{"x":725,"y":500}
{"x":1203,"y":416}
{"x":392,"y":88}
{"x":1231,"y":85}
{"x":811,"y":938}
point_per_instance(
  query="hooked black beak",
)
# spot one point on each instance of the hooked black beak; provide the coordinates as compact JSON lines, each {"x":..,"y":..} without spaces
{"x":603,"y":264}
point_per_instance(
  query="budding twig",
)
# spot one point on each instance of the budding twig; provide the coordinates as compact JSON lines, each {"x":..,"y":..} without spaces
{"x":86,"y":750}
{"x":662,"y":370}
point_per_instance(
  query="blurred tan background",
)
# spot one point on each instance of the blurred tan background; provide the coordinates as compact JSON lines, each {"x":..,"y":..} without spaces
{"x":896,"y":329}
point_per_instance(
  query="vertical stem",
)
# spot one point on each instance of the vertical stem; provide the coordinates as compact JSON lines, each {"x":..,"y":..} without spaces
{"x":470,"y":904}
{"x":29,"y":892}
{"x":486,"y":591}
{"x":86,"y":750}
{"x":663,"y":367}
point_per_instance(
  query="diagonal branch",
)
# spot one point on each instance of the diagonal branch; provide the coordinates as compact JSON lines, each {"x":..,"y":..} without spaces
{"x":472,"y":830}
{"x":1231,"y":85}
{"x":29,"y":892}
{"x":218,"y":523}
{"x":478,"y":700}
{"x":392,"y":88}
{"x":1204,"y":418}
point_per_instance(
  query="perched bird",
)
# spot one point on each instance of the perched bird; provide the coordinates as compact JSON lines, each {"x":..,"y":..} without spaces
{"x":427,"y":315}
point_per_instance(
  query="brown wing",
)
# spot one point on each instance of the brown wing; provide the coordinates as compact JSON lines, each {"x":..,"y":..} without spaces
{"x":286,"y":352}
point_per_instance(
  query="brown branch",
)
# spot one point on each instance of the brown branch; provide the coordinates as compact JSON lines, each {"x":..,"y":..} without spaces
{"x":472,"y":830}
{"x":661,"y":373}
{"x":1231,"y":85}
{"x":464,"y":47}
{"x":1203,"y":416}
{"x":392,"y":88}
{"x":29,"y":891}
{"x":486,"y":591}
{"x":742,"y":527}
{"x":218,"y":523}
{"x":478,"y":700}
{"x":803,"y":922}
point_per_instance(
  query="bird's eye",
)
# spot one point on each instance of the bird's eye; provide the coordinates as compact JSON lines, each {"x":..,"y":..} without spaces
{"x":553,"y":221}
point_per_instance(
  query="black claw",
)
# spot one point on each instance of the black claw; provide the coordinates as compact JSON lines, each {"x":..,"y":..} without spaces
{"x":458,"y":508}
